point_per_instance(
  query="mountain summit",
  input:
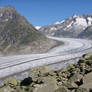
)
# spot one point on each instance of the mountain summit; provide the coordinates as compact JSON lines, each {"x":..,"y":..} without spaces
{"x":71,"y":27}
{"x":18,"y":36}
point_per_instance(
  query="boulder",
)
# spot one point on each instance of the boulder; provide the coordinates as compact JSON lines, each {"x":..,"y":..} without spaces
{"x":49,"y":85}
{"x":62,"y":89}
{"x":7,"y":89}
{"x":37,"y":72}
{"x":11,"y":82}
{"x":81,"y":90}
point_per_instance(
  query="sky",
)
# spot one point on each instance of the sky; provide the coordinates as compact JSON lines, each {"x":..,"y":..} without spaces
{"x":46,"y":12}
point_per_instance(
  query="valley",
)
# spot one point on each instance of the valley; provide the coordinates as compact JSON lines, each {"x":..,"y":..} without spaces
{"x":72,"y":48}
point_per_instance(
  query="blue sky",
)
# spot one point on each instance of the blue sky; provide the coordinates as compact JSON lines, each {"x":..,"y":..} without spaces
{"x":45,"y":12}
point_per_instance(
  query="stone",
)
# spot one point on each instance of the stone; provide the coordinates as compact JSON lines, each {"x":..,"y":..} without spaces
{"x":62,"y":89}
{"x":37,"y":72}
{"x":77,"y":78}
{"x":81,"y":90}
{"x":49,"y":85}
{"x":10,"y":81}
{"x":26,"y":81}
{"x":6,"y":89}
{"x":88,"y":56}
{"x":70,"y":86}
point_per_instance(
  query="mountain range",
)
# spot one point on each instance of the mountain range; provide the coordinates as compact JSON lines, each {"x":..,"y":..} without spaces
{"x":77,"y":26}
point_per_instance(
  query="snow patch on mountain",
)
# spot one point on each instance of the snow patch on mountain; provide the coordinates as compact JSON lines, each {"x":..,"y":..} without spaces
{"x":59,"y":22}
{"x":75,"y":16}
{"x":38,"y":27}
{"x":53,"y":28}
{"x":89,"y":21}
{"x":1,"y":15}
{"x":81,"y":21}
{"x":70,"y":24}
{"x":70,"y":27}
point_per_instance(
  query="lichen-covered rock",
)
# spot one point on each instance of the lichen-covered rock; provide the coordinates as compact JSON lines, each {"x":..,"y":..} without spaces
{"x":77,"y":78}
{"x":81,"y":90}
{"x":39,"y":80}
{"x":70,"y":67}
{"x":7,"y":89}
{"x":25,"y":89}
{"x":37,"y":72}
{"x":11,"y":82}
{"x":70,"y":86}
{"x":87,"y":56}
{"x":62,"y":89}
{"x":89,"y":62}
{"x":49,"y":85}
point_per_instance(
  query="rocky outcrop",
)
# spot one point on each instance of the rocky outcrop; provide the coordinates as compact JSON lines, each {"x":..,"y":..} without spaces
{"x":87,"y":33}
{"x":73,"y":78}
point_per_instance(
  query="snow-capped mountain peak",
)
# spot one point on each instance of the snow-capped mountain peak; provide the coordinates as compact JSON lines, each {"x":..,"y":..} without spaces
{"x":83,"y":20}
{"x":70,"y":27}
{"x":59,"y":22}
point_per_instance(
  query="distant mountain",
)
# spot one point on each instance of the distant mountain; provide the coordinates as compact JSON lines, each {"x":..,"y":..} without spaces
{"x":18,"y":36}
{"x":71,"y":27}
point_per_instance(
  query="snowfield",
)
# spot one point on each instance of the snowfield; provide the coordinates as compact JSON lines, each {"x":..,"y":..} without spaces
{"x":72,"y":48}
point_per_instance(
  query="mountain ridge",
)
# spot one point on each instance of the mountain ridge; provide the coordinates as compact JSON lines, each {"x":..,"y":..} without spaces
{"x":70,"y":27}
{"x":18,"y":36}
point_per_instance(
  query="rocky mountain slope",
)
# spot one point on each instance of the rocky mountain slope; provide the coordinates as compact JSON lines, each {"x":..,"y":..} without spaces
{"x":73,"y":78}
{"x":87,"y":33}
{"x":74,"y":26}
{"x":18,"y":36}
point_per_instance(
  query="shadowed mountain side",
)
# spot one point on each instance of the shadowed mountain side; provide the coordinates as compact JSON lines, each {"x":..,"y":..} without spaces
{"x":87,"y":33}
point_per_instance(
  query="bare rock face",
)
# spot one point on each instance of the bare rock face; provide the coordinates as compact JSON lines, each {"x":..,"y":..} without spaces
{"x":87,"y":33}
{"x":70,"y":27}
{"x":18,"y":36}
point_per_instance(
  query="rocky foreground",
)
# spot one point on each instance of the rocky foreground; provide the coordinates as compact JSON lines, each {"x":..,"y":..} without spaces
{"x":74,"y":78}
